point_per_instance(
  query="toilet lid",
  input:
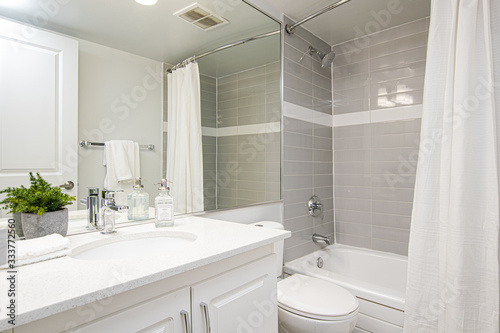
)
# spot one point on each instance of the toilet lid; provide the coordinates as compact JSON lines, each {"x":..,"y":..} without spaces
{"x":316,"y":298}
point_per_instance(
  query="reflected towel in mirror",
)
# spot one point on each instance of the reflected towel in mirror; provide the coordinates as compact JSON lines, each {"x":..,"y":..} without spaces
{"x":122,"y":161}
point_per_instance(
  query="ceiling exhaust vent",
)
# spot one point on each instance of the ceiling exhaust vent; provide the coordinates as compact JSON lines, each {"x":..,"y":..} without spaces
{"x":201,"y":17}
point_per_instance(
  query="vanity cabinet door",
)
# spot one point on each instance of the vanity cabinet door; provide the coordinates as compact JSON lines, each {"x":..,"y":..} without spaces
{"x":169,"y":313}
{"x":241,"y":300}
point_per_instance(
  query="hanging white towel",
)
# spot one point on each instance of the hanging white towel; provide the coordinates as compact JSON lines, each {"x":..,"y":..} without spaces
{"x":40,"y":249}
{"x":122,"y":161}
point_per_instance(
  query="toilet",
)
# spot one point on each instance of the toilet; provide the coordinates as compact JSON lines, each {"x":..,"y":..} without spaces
{"x":311,"y":305}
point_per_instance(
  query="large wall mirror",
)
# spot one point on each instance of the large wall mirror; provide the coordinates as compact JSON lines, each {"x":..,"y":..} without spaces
{"x":122,"y":51}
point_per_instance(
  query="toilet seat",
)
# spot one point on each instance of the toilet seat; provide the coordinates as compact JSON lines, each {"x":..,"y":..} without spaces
{"x":316,"y":298}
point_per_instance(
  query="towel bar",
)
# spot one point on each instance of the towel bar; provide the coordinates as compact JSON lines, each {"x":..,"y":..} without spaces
{"x":86,"y":144}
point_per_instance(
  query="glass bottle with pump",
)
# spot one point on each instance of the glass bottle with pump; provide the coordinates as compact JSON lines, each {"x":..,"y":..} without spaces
{"x":138,"y":202}
{"x":164,"y":206}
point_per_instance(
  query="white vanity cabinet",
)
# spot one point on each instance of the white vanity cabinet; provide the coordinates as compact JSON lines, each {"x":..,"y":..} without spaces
{"x":237,"y":294}
{"x":166,"y":314}
{"x":242,"y":300}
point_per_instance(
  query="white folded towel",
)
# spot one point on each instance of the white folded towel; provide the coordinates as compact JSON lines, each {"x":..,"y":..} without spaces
{"x":122,"y":161}
{"x":47,"y":256}
{"x":39,"y":249}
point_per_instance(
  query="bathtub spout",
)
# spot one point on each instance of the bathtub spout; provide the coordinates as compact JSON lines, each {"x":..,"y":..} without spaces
{"x":319,"y":238}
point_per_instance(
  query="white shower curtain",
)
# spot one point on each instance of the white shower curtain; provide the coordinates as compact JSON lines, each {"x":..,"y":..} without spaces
{"x":453,"y":274}
{"x":184,"y":146}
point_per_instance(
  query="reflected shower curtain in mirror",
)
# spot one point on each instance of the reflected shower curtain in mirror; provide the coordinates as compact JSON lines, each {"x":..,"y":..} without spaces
{"x":453,"y":269}
{"x":184,"y":145}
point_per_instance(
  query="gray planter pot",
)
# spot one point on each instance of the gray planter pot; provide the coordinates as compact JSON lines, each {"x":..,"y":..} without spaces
{"x":35,"y":225}
{"x":18,"y":224}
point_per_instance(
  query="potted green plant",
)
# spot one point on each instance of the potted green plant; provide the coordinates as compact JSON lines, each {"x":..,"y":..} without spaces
{"x":39,"y":208}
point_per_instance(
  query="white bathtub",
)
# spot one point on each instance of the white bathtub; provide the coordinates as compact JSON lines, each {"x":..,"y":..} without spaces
{"x":377,"y":279}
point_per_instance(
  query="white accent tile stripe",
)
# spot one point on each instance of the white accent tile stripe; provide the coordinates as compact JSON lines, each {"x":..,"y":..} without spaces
{"x":209,"y":131}
{"x":227,"y":131}
{"x":378,"y":116}
{"x":399,"y":113}
{"x":301,"y":113}
{"x":274,"y":127}
{"x":298,"y":112}
{"x":355,"y":118}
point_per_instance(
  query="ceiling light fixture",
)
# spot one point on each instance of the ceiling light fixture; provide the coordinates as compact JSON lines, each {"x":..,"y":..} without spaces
{"x":147,"y":2}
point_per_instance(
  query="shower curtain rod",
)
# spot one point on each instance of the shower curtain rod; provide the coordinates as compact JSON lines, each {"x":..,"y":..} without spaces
{"x":291,"y":28}
{"x":243,"y":41}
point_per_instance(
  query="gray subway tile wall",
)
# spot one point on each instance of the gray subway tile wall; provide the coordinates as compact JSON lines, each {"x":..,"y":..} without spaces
{"x":305,"y":82}
{"x":298,"y":186}
{"x":307,"y":147}
{"x":208,"y":87}
{"x":248,"y":170}
{"x":249,"y":97}
{"x":375,"y":163}
{"x":382,"y":70}
{"x":248,"y":166}
{"x":375,"y":167}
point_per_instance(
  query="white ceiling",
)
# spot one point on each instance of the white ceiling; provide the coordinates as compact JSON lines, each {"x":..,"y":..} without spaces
{"x":240,"y":58}
{"x":354,"y":18}
{"x":149,"y":31}
{"x":153,"y":32}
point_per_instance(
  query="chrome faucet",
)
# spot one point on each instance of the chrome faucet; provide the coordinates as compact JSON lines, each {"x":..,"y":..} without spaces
{"x":109,"y":208}
{"x":315,"y":207}
{"x":319,"y":238}
{"x":92,"y":202}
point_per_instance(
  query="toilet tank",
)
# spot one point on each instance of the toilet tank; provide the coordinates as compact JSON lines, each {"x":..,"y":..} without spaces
{"x":278,"y":246}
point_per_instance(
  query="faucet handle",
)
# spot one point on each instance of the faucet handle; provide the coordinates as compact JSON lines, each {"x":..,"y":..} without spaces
{"x":108,"y":198}
{"x":106,"y":194}
{"x":93,"y":191}
{"x":315,"y":207}
{"x":109,"y":194}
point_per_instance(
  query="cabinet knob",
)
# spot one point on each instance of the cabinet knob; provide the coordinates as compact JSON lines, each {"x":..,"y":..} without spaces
{"x":204,"y":307}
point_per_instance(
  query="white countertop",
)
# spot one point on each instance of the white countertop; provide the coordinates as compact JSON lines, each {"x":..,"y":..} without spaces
{"x":50,"y":287}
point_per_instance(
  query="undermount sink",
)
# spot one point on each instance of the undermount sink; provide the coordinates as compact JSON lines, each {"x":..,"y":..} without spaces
{"x":133,"y":246}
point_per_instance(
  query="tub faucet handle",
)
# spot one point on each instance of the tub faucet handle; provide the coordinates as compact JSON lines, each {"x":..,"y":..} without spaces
{"x":315,"y":207}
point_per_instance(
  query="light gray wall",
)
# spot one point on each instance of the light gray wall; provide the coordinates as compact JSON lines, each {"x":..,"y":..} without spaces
{"x":307,"y":147}
{"x":375,"y":163}
{"x":120,"y":98}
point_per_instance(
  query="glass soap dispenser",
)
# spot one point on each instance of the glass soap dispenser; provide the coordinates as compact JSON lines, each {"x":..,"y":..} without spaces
{"x":164,"y":206}
{"x":138,"y":202}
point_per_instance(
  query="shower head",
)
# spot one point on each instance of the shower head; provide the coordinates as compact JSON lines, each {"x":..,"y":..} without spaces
{"x":326,"y":58}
